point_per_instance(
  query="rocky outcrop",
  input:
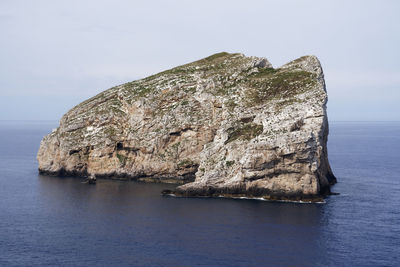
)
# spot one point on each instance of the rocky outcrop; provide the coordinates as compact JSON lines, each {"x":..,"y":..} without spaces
{"x":225,"y":125}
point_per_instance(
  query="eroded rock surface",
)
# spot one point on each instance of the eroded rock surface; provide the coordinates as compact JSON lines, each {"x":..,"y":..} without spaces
{"x":228,"y":125}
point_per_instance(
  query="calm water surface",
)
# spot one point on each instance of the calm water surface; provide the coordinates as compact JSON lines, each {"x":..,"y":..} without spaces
{"x":60,"y":221}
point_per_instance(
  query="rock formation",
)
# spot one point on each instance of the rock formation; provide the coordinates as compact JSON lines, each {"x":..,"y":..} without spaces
{"x":226,"y":125}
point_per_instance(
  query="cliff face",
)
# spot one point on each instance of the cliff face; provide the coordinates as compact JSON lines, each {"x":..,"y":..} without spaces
{"x":224,"y":125}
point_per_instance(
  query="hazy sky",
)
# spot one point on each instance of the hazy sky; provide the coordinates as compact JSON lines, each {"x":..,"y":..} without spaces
{"x":55,"y":54}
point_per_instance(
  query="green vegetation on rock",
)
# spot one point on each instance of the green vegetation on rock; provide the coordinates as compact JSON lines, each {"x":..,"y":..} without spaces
{"x":122,"y":159}
{"x":185,"y":163}
{"x":278,"y":84}
{"x":229,"y":163}
{"x":245,"y":131}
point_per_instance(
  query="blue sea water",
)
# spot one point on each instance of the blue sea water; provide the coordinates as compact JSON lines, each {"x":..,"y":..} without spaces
{"x":60,"y":221}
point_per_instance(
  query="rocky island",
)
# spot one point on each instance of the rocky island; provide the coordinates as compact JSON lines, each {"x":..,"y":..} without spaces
{"x":227,"y":125}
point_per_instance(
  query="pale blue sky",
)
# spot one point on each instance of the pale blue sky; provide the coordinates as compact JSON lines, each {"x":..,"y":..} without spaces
{"x":55,"y":54}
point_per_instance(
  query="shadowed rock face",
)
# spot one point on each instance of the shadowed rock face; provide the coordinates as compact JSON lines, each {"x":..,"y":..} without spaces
{"x":224,"y":125}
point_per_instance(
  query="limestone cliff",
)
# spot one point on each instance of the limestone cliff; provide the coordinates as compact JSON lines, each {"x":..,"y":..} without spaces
{"x":224,"y":125}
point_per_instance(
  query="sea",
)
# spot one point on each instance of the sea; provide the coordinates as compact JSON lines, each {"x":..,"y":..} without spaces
{"x":52,"y":221}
